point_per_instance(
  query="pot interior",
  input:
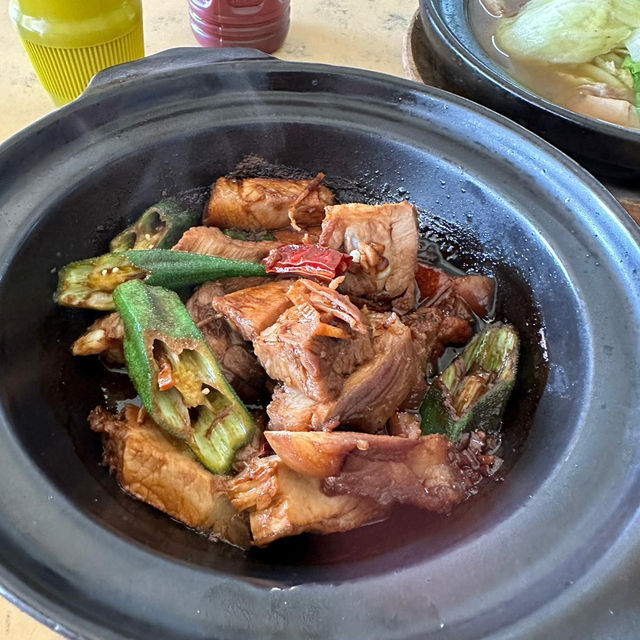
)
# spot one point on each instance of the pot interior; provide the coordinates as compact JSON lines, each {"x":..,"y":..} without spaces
{"x":49,"y":393}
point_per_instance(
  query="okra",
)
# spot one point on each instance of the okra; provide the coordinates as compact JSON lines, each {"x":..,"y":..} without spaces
{"x":177,"y":377}
{"x":159,"y":227}
{"x":472,"y":392}
{"x":90,"y":283}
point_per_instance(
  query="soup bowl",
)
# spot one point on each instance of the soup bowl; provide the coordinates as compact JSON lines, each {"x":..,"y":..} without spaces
{"x":461,"y":64}
{"x":552,"y":550}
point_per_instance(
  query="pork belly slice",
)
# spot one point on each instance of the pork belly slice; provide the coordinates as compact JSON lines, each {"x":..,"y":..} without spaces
{"x":103,"y":337}
{"x":424,"y":472}
{"x":250,"y":311}
{"x":370,"y":395}
{"x":428,"y":476}
{"x":383,"y":239}
{"x":455,"y":295}
{"x":314,"y":344}
{"x":239,"y":365}
{"x":161,"y":471}
{"x":322,"y":453}
{"x":265,"y":203}
{"x":282,"y":502}
{"x":212,"y":242}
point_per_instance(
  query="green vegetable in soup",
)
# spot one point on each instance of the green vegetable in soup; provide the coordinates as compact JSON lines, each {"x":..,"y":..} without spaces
{"x":568,"y":31}
{"x":634,"y":69}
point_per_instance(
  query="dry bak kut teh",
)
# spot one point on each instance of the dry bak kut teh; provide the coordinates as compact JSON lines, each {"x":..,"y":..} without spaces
{"x":580,"y":54}
{"x":297,"y":389}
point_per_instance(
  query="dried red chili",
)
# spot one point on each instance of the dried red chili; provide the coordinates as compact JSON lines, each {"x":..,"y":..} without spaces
{"x":308,"y":260}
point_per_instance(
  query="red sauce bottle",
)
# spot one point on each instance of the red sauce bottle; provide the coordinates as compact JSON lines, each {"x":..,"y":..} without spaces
{"x":259,"y":24}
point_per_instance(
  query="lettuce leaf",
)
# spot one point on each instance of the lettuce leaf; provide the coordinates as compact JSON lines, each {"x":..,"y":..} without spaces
{"x":568,"y":31}
{"x":634,"y":69}
{"x":633,"y":45}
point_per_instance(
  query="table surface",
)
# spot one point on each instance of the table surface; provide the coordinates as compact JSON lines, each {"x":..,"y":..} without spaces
{"x":357,"y":33}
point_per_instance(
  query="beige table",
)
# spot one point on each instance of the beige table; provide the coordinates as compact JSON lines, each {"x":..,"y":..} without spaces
{"x":358,"y":33}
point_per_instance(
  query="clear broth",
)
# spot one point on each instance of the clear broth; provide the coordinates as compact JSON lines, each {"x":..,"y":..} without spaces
{"x":545,"y":79}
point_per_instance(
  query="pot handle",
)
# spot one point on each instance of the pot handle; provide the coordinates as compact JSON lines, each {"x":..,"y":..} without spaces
{"x":180,"y":57}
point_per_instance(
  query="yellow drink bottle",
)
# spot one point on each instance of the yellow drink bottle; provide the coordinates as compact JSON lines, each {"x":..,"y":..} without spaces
{"x":69,"y":41}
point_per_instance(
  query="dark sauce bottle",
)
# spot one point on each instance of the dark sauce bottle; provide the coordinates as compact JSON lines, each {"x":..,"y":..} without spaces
{"x":257,"y":24}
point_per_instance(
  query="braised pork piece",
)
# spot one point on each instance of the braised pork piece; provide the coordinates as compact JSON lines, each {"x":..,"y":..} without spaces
{"x":333,"y":346}
{"x":266,"y":203}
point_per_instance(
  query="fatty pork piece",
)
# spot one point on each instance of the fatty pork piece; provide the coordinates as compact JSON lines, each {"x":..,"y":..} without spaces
{"x":250,"y":311}
{"x":314,"y":344}
{"x":161,"y":471}
{"x":383,"y":240}
{"x":266,"y":203}
{"x":370,"y":395}
{"x":388,"y":469}
{"x":212,"y":242}
{"x":455,"y":295}
{"x":282,"y":502}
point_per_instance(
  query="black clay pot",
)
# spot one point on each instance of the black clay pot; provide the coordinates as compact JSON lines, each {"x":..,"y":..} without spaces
{"x":461,"y":65}
{"x":551,"y":552}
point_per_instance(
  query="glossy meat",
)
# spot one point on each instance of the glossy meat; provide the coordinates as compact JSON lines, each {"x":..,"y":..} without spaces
{"x":314,"y":344}
{"x":432,"y":331}
{"x":370,"y":395}
{"x":239,"y":365}
{"x":154,"y":467}
{"x":264,"y":203}
{"x":308,"y":235}
{"x":250,"y":311}
{"x":282,"y":502}
{"x":455,"y":295}
{"x":424,"y":472}
{"x":322,"y":453}
{"x":103,"y":337}
{"x":383,"y":240}
{"x":427,"y":477}
{"x":212,"y":242}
